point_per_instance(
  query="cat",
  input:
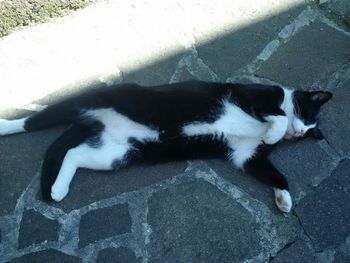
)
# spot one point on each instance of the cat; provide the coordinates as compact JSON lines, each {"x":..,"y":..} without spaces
{"x":112,"y":127}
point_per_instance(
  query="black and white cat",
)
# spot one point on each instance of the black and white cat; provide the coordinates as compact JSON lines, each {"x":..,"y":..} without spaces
{"x":112,"y":127}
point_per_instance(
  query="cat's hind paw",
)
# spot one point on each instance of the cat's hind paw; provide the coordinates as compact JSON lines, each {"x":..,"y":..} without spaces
{"x":283,"y":200}
{"x":59,"y":192}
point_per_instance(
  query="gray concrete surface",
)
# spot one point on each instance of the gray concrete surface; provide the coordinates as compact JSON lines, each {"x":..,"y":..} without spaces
{"x":191,"y":211}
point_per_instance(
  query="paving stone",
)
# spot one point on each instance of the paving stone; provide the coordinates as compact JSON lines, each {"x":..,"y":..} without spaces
{"x":323,"y":212}
{"x":247,"y":183}
{"x":298,"y":252}
{"x":103,"y":223}
{"x":76,"y":89}
{"x":116,"y":255}
{"x":195,"y":222}
{"x":35,"y":228}
{"x":343,"y":252}
{"x":89,"y":186}
{"x":325,"y":256}
{"x":340,"y":9}
{"x":334,"y":118}
{"x":50,"y":255}
{"x":13,"y":113}
{"x":185,"y":75}
{"x":341,"y":257}
{"x":237,"y":46}
{"x":304,"y":163}
{"x":20,"y":159}
{"x":313,"y":54}
{"x":256,"y":189}
{"x":156,"y":73}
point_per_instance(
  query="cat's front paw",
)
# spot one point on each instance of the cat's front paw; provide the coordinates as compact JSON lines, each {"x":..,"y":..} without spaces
{"x":58,"y":192}
{"x":273,"y":136}
{"x":278,"y":128}
{"x":283,"y":200}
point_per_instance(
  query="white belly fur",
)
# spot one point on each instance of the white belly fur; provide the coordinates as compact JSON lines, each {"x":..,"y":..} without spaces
{"x":234,"y":124}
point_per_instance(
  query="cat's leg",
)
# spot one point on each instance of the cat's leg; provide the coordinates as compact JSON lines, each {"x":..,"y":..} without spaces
{"x":261,"y":168}
{"x":247,"y":155}
{"x":277,"y":129}
{"x":104,"y":157}
{"x":242,"y":150}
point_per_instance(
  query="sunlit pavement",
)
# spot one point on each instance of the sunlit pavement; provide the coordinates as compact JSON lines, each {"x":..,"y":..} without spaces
{"x":185,"y":211}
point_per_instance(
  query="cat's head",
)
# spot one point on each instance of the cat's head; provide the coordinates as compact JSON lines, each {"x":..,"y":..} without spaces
{"x":306,"y":107}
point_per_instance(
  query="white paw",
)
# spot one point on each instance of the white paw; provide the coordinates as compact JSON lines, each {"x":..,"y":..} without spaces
{"x":277,"y":130}
{"x":283,"y":200}
{"x":272,"y":137}
{"x":58,"y":192}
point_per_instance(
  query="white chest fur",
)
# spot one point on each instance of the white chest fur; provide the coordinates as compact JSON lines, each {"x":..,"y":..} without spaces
{"x":234,"y":123}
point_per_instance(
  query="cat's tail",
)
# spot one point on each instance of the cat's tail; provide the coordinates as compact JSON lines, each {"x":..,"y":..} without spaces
{"x":57,"y":114}
{"x":72,"y":137}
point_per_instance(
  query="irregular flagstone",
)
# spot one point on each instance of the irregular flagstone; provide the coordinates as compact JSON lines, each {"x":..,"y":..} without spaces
{"x":155,"y":73}
{"x":298,"y":252}
{"x":233,"y":48}
{"x":89,"y":186}
{"x":50,"y":255}
{"x":304,"y":163}
{"x":341,"y":257}
{"x":125,"y":36}
{"x":343,"y":252}
{"x":183,"y":74}
{"x":13,"y":113}
{"x":21,"y":156}
{"x":334,"y":118}
{"x":247,"y":183}
{"x":116,"y":255}
{"x":192,"y":67}
{"x":196,"y":222}
{"x":313,"y":54}
{"x":193,"y":221}
{"x":103,"y":223}
{"x":323,"y":213}
{"x":35,"y":228}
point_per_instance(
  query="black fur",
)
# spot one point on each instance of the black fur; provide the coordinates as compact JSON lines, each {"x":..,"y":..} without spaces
{"x":167,"y":108}
{"x":178,"y":148}
{"x":307,"y":104}
{"x":261,"y":168}
{"x":72,"y":137}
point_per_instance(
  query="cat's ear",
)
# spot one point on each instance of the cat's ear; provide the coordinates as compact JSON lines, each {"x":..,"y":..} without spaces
{"x":320,"y":97}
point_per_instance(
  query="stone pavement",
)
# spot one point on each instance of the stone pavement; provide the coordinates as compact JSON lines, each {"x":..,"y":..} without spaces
{"x":194,"y":211}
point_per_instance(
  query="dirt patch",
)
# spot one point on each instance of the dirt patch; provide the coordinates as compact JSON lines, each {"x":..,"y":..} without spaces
{"x":17,"y":13}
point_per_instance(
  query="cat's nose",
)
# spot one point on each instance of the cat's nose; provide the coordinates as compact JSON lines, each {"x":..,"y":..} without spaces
{"x":302,"y":131}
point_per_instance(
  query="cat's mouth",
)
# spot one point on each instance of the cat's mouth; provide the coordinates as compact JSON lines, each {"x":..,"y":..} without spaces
{"x":298,"y":134}
{"x":294,"y":135}
{"x":313,"y":132}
